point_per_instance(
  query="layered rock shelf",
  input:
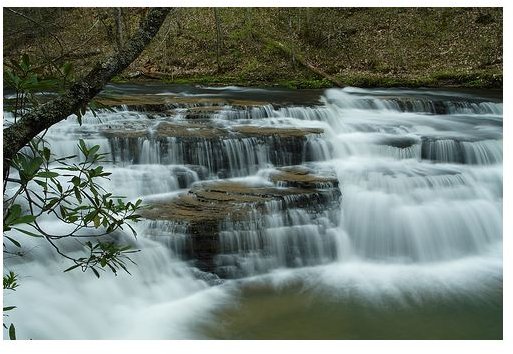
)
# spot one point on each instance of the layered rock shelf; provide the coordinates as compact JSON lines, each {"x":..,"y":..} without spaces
{"x":220,"y":222}
{"x":205,"y":131}
{"x":207,"y":207}
{"x":226,"y":151}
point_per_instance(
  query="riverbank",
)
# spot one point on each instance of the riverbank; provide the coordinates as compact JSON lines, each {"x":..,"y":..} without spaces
{"x":476,"y":79}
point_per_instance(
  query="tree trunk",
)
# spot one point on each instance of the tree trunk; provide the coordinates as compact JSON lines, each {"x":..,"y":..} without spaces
{"x":218,"y":39}
{"x":118,"y":20}
{"x":249,"y":21}
{"x":308,"y":24}
{"x":81,"y":92}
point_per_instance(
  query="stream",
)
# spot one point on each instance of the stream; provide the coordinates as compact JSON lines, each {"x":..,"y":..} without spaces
{"x":280,"y":214}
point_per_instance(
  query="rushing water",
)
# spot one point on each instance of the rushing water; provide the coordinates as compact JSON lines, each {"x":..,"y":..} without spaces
{"x":411,"y":247}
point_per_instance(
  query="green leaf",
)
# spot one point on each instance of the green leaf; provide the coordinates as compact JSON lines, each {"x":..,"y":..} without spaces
{"x":71,"y":268}
{"x":16,"y":243}
{"x":94,"y":149}
{"x":112,"y":269}
{"x":25,"y":62}
{"x":12,"y":214}
{"x":25,"y":219}
{"x":13,"y":80}
{"x":95,"y":272}
{"x":82,"y":146}
{"x":27,"y":232}
{"x":72,"y":218}
{"x":76,"y":181}
{"x":63,"y":211}
{"x":9,"y":308}
{"x":77,"y":194}
{"x":63,"y":159}
{"x":52,"y":201}
{"x":66,"y":68}
{"x":28,"y":167}
{"x":42,"y":184}
{"x":96,"y":221}
{"x":46,"y":153}
{"x":47,"y":174}
{"x":12,"y":332}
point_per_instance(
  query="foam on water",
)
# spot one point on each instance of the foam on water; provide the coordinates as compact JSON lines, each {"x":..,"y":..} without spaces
{"x":161,"y":299}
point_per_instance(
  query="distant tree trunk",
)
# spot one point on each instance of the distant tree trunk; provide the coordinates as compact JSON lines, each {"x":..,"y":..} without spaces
{"x":218,"y":39}
{"x":249,"y":21}
{"x":82,"y":91}
{"x":178,"y":19}
{"x":308,"y":25}
{"x":118,"y":20}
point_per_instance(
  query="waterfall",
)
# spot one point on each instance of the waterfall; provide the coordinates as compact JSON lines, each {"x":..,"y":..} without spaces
{"x":161,"y":299}
{"x":360,"y":196}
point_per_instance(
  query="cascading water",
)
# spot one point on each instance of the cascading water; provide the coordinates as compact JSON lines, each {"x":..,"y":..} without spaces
{"x":401,"y":224}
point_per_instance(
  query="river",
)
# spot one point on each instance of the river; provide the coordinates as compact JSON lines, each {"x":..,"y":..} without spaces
{"x":396,"y":235}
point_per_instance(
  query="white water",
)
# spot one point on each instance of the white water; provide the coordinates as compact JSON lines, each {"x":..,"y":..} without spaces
{"x":419,"y":218}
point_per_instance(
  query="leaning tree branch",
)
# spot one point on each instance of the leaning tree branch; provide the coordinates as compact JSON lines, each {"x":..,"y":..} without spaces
{"x":81,"y":92}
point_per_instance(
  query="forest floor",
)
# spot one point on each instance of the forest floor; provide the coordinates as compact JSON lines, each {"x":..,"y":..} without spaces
{"x":289,"y":47}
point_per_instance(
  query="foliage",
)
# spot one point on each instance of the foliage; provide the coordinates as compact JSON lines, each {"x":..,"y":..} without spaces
{"x":29,"y":87}
{"x":70,"y":192}
{"x":68,"y":189}
{"x":10,"y":283}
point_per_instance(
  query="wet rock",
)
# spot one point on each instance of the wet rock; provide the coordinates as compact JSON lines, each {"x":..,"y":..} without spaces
{"x":301,"y":177}
{"x":210,"y":278}
{"x":201,"y":171}
{"x":166,"y":129}
{"x":204,"y":131}
{"x":203,"y":212}
{"x":169,"y":103}
{"x":249,"y":130}
{"x":214,"y":201}
{"x":401,"y":142}
{"x":226,"y":152}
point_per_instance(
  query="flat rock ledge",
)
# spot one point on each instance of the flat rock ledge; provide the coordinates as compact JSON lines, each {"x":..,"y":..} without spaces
{"x":189,"y":130}
{"x":160,"y":104}
{"x":201,"y":211}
